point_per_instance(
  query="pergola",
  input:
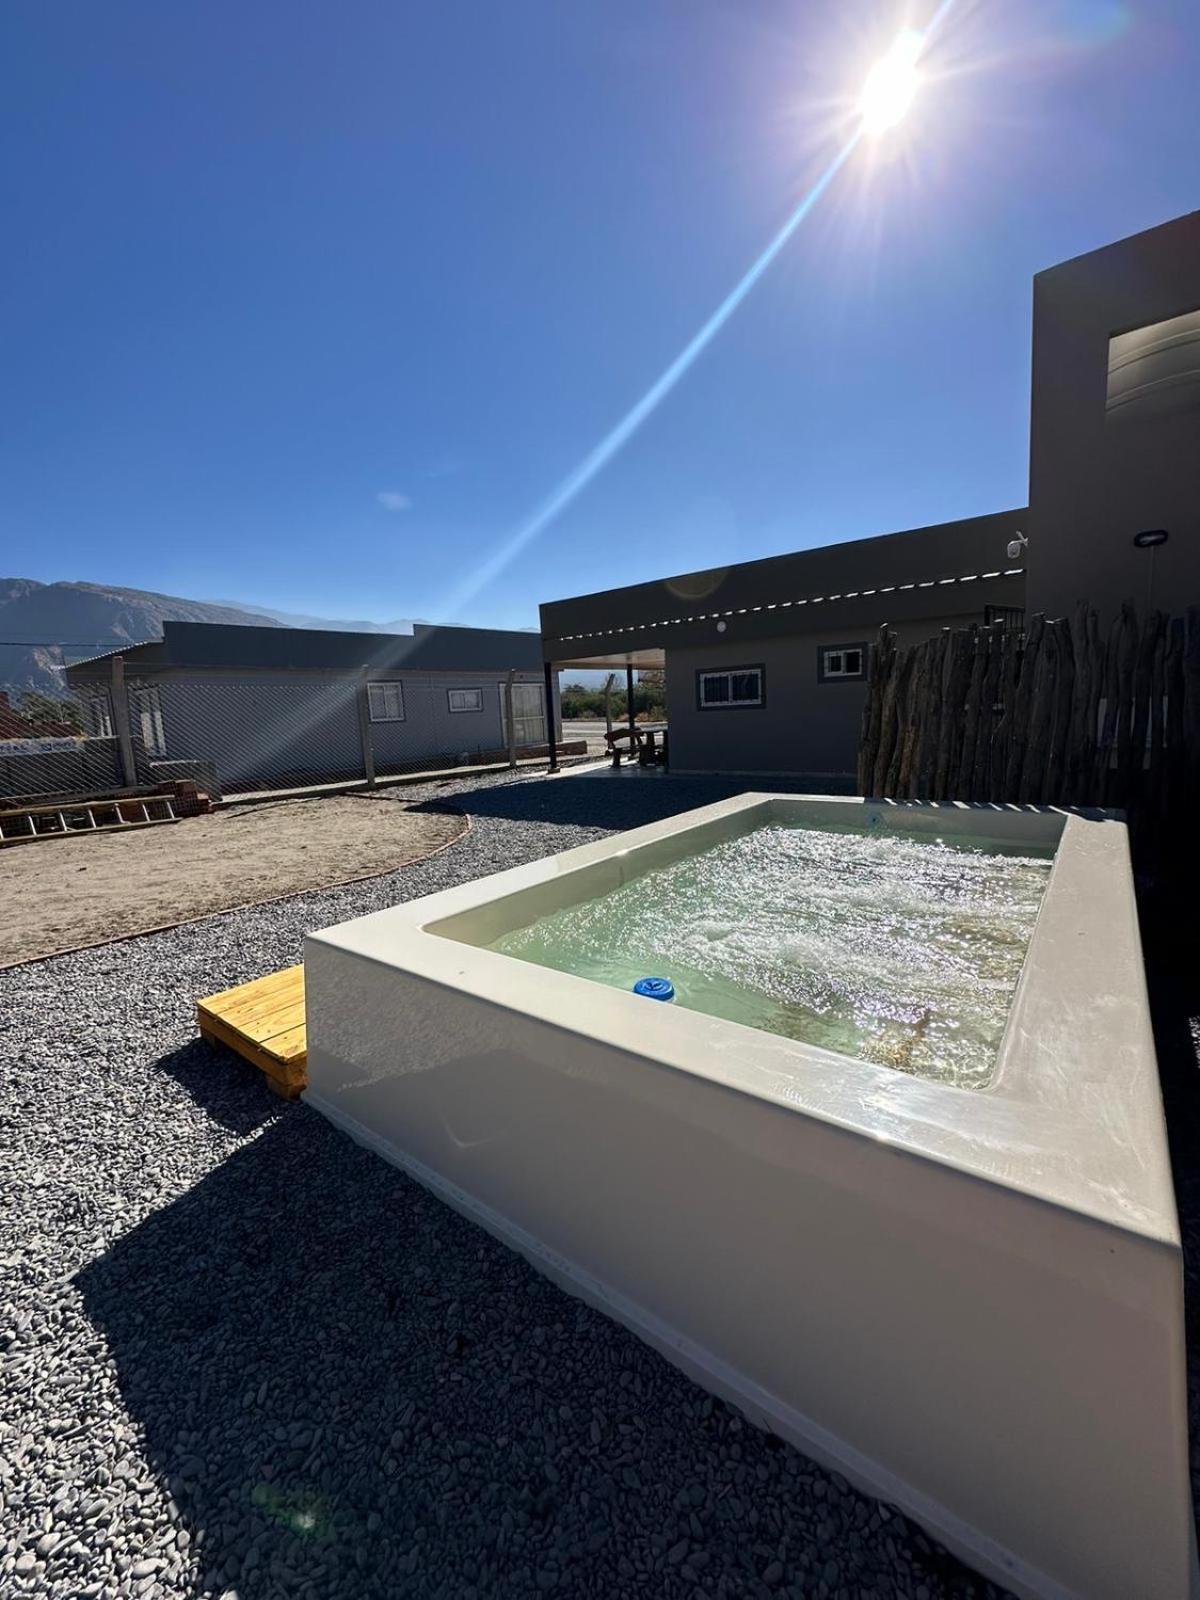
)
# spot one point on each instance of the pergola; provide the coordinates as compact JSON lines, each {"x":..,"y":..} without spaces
{"x":634,"y":659}
{"x":893,"y":578}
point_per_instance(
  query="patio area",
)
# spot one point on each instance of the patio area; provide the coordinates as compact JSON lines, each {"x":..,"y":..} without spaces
{"x":244,"y":1356}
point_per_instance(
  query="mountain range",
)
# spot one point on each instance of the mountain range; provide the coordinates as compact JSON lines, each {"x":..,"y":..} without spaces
{"x":46,"y":625}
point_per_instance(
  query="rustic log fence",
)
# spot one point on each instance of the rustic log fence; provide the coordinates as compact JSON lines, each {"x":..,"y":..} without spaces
{"x":1057,"y":713}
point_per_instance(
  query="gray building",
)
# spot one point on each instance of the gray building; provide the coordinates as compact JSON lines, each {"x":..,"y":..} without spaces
{"x":275,"y":706}
{"x":764,"y":660}
{"x":1115,"y":425}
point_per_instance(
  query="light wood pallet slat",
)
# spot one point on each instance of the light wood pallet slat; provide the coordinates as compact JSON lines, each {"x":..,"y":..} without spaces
{"x":263,"y":1021}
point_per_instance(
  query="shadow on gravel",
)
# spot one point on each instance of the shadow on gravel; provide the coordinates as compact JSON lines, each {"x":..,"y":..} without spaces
{"x":616,"y":800}
{"x":350,"y":1391}
{"x":224,"y":1085}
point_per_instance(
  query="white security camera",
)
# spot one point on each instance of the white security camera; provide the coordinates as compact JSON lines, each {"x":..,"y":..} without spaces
{"x":1016,"y":546}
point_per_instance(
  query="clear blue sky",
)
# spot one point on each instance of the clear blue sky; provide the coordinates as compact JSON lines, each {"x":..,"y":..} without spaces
{"x":265,"y":263}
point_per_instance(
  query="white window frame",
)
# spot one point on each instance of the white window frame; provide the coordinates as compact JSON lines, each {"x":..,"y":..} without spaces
{"x":98,"y":715}
{"x":742,"y":702}
{"x":828,"y":673}
{"x":529,"y":721}
{"x":378,"y":697}
{"x":477,"y":699}
{"x":145,"y":706}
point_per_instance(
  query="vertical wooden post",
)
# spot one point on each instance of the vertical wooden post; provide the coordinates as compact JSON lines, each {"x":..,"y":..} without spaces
{"x":1023,"y":704}
{"x":1126,"y":675}
{"x":964,"y":779}
{"x":550,"y":728}
{"x":890,"y":787}
{"x":957,"y":674}
{"x":364,"y":734}
{"x":509,"y":720}
{"x":120,"y":717}
{"x":1153,"y":787}
{"x":1005,"y":731}
{"x":1095,"y":646}
{"x":929,"y":730}
{"x":1191,"y":705}
{"x":1107,"y":737}
{"x":1152,"y":629}
{"x":1082,"y":734}
{"x":887,"y":720}
{"x":1174,"y":780}
{"x":992,"y":640}
{"x":878,"y":659}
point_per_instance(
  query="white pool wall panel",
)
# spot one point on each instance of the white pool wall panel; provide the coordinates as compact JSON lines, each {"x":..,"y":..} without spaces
{"x":968,"y":1301}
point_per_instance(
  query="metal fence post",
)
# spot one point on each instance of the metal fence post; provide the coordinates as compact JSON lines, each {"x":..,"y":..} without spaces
{"x":364,"y":732}
{"x":508,"y":712}
{"x":550,"y":725}
{"x":120,"y":716}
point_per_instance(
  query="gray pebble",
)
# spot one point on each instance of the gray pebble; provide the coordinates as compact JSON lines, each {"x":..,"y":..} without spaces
{"x":231,"y":1340}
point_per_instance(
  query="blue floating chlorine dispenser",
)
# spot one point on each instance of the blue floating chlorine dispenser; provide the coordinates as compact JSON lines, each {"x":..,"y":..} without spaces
{"x":655,"y":988}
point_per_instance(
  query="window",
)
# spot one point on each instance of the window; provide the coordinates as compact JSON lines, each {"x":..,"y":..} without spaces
{"x":97,"y":715}
{"x":145,"y":713}
{"x":529,"y":713}
{"x":740,"y":686}
{"x":1155,"y":370}
{"x":465,"y":699}
{"x":386,"y":702}
{"x":840,"y":662}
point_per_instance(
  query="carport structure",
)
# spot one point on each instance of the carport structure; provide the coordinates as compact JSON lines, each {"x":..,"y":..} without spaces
{"x":787,"y":638}
{"x":637,"y":659}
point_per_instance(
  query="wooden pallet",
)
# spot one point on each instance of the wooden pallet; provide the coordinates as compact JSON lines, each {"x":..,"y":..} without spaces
{"x":264,"y":1022}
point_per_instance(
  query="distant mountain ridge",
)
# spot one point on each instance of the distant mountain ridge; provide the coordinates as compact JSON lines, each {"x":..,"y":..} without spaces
{"x":296,"y":619}
{"x":44,"y":625}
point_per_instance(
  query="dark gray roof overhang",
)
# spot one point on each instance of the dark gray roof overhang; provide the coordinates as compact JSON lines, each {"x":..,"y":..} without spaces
{"x":943,"y":570}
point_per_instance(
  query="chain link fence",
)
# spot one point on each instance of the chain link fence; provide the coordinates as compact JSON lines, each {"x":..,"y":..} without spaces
{"x":237,"y":733}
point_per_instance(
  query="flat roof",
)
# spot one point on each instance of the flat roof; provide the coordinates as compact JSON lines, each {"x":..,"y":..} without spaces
{"x":202,"y":645}
{"x":856,"y":584}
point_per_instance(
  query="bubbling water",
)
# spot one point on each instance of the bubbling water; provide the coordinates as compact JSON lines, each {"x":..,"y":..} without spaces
{"x":890,"y":948}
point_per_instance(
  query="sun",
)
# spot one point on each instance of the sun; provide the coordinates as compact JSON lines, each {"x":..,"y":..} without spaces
{"x":891,"y":83}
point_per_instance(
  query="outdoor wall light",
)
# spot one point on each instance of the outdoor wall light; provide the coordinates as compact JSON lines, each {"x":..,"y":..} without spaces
{"x":1149,"y":537}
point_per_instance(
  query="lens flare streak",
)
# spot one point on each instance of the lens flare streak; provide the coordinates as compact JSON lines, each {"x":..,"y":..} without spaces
{"x":598,"y":458}
{"x":896,"y":75}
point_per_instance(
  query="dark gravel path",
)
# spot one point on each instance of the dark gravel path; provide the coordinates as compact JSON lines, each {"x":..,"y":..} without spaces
{"x":240,"y":1355}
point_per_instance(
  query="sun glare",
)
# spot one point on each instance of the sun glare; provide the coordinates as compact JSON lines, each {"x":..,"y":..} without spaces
{"x":891,"y":83}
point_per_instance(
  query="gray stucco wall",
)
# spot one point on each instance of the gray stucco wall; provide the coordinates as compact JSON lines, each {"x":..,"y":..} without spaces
{"x":1098,"y":476}
{"x":431,"y":728}
{"x":805,"y":726}
{"x":264,"y":728}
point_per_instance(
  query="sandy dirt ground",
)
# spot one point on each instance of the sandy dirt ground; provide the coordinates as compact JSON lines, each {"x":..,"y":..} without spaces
{"x":60,"y":894}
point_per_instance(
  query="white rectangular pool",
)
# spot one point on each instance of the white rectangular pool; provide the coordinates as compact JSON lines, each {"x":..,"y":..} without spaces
{"x":883,"y":945}
{"x":890,"y":1173}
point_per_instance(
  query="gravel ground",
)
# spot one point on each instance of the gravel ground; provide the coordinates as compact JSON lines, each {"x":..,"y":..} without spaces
{"x":241,"y":1355}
